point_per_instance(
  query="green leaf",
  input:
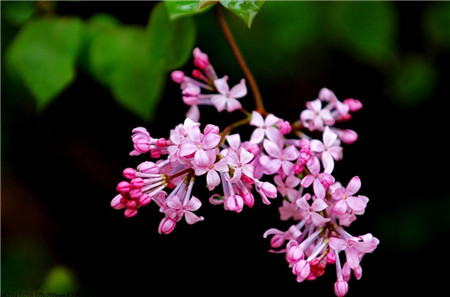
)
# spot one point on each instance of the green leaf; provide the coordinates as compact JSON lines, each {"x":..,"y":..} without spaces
{"x":59,"y":280}
{"x":17,"y":12}
{"x":368,"y":29}
{"x":245,"y":9}
{"x":177,"y":9}
{"x":43,"y":54}
{"x":120,"y":58}
{"x":170,"y":41}
{"x":437,"y":23}
{"x":414,"y":82}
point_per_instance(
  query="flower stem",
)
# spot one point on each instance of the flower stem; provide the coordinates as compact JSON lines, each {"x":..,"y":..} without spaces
{"x":240,"y":59}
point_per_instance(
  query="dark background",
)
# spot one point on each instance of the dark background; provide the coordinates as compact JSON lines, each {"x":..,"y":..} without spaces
{"x":60,"y":168}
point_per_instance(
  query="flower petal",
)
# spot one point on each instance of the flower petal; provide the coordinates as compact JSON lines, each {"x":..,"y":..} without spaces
{"x":222,"y":85}
{"x":257,"y":136}
{"x":219,"y":101}
{"x":272,"y":149}
{"x":353,"y":186}
{"x":337,"y":244}
{"x":239,"y":90}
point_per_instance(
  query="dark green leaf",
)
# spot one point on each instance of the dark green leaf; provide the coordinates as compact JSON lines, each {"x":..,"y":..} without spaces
{"x":17,"y":12}
{"x":245,"y":9}
{"x":43,"y":54}
{"x":177,"y":9}
{"x":415,"y":82}
{"x":368,"y":29}
{"x":120,"y":58}
{"x":437,"y":23}
{"x":60,"y":280}
{"x":170,"y":42}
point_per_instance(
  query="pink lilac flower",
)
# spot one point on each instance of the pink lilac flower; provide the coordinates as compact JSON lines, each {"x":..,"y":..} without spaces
{"x":211,"y":168}
{"x":240,"y":162}
{"x":287,"y":187}
{"x":346,"y":200}
{"x":227,"y":99}
{"x":354,"y":247}
{"x":279,"y":158}
{"x":315,"y":117}
{"x":311,"y":212}
{"x":265,"y":128}
{"x":329,"y":150}
{"x":315,"y":177}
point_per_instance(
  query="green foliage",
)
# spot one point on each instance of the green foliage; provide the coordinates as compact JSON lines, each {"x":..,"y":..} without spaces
{"x":171,"y":42}
{"x":17,"y":12}
{"x":414,"y":81}
{"x":244,"y":9}
{"x":177,"y":9}
{"x":368,"y":29}
{"x":437,"y":23}
{"x":43,"y":54}
{"x":59,"y":280}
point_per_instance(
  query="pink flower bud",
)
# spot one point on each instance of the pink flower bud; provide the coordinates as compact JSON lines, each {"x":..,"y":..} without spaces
{"x":249,"y":200}
{"x":162,"y":142}
{"x":251,"y":147}
{"x":166,"y":226}
{"x":131,"y":204}
{"x":340,"y":288}
{"x":123,"y":187}
{"x":144,"y":199}
{"x":347,"y":136}
{"x":234,"y":203}
{"x":284,"y":127}
{"x":135,"y":193}
{"x":277,"y":240}
{"x":269,"y":190}
{"x":353,"y":104}
{"x":155,"y":154}
{"x":137,"y":183}
{"x":358,"y":272}
{"x":148,"y":167}
{"x":331,"y":258}
{"x":200,"y":59}
{"x":211,"y":129}
{"x":116,"y":202}
{"x":129,"y":173}
{"x":198,"y":75}
{"x":142,"y":145}
{"x":302,"y":270}
{"x":130,"y":212}
{"x":294,"y":254}
{"x":346,"y":272}
{"x":177,"y":76}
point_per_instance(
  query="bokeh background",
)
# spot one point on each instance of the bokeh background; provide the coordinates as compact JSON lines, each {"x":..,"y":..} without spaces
{"x":63,"y":148}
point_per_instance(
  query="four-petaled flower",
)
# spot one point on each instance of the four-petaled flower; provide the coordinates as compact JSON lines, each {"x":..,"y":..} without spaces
{"x":227,"y":99}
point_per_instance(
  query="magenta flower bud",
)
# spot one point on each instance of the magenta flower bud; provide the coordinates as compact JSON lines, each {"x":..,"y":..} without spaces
{"x":200,"y":59}
{"x":177,"y":76}
{"x":198,"y":75}
{"x":123,"y":187}
{"x":347,"y":136}
{"x":269,"y":190}
{"x":277,"y":240}
{"x":129,"y":173}
{"x":251,"y":147}
{"x":331,"y":258}
{"x":130,"y":212}
{"x":166,"y":226}
{"x":144,"y":199}
{"x":340,"y":288}
{"x":284,"y":127}
{"x":353,"y":104}
{"x":135,"y":193}
{"x":155,"y":154}
{"x":249,"y":200}
{"x":132,"y":204}
{"x":116,"y":202}
{"x":137,"y":183}
{"x":162,"y":142}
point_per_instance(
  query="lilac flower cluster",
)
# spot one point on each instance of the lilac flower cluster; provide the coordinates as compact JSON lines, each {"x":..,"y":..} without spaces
{"x":279,"y":159}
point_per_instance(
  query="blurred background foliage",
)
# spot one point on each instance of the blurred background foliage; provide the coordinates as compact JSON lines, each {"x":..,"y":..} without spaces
{"x":77,"y":76}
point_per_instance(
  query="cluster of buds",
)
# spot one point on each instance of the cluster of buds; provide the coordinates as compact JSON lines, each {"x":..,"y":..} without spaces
{"x":279,"y":159}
